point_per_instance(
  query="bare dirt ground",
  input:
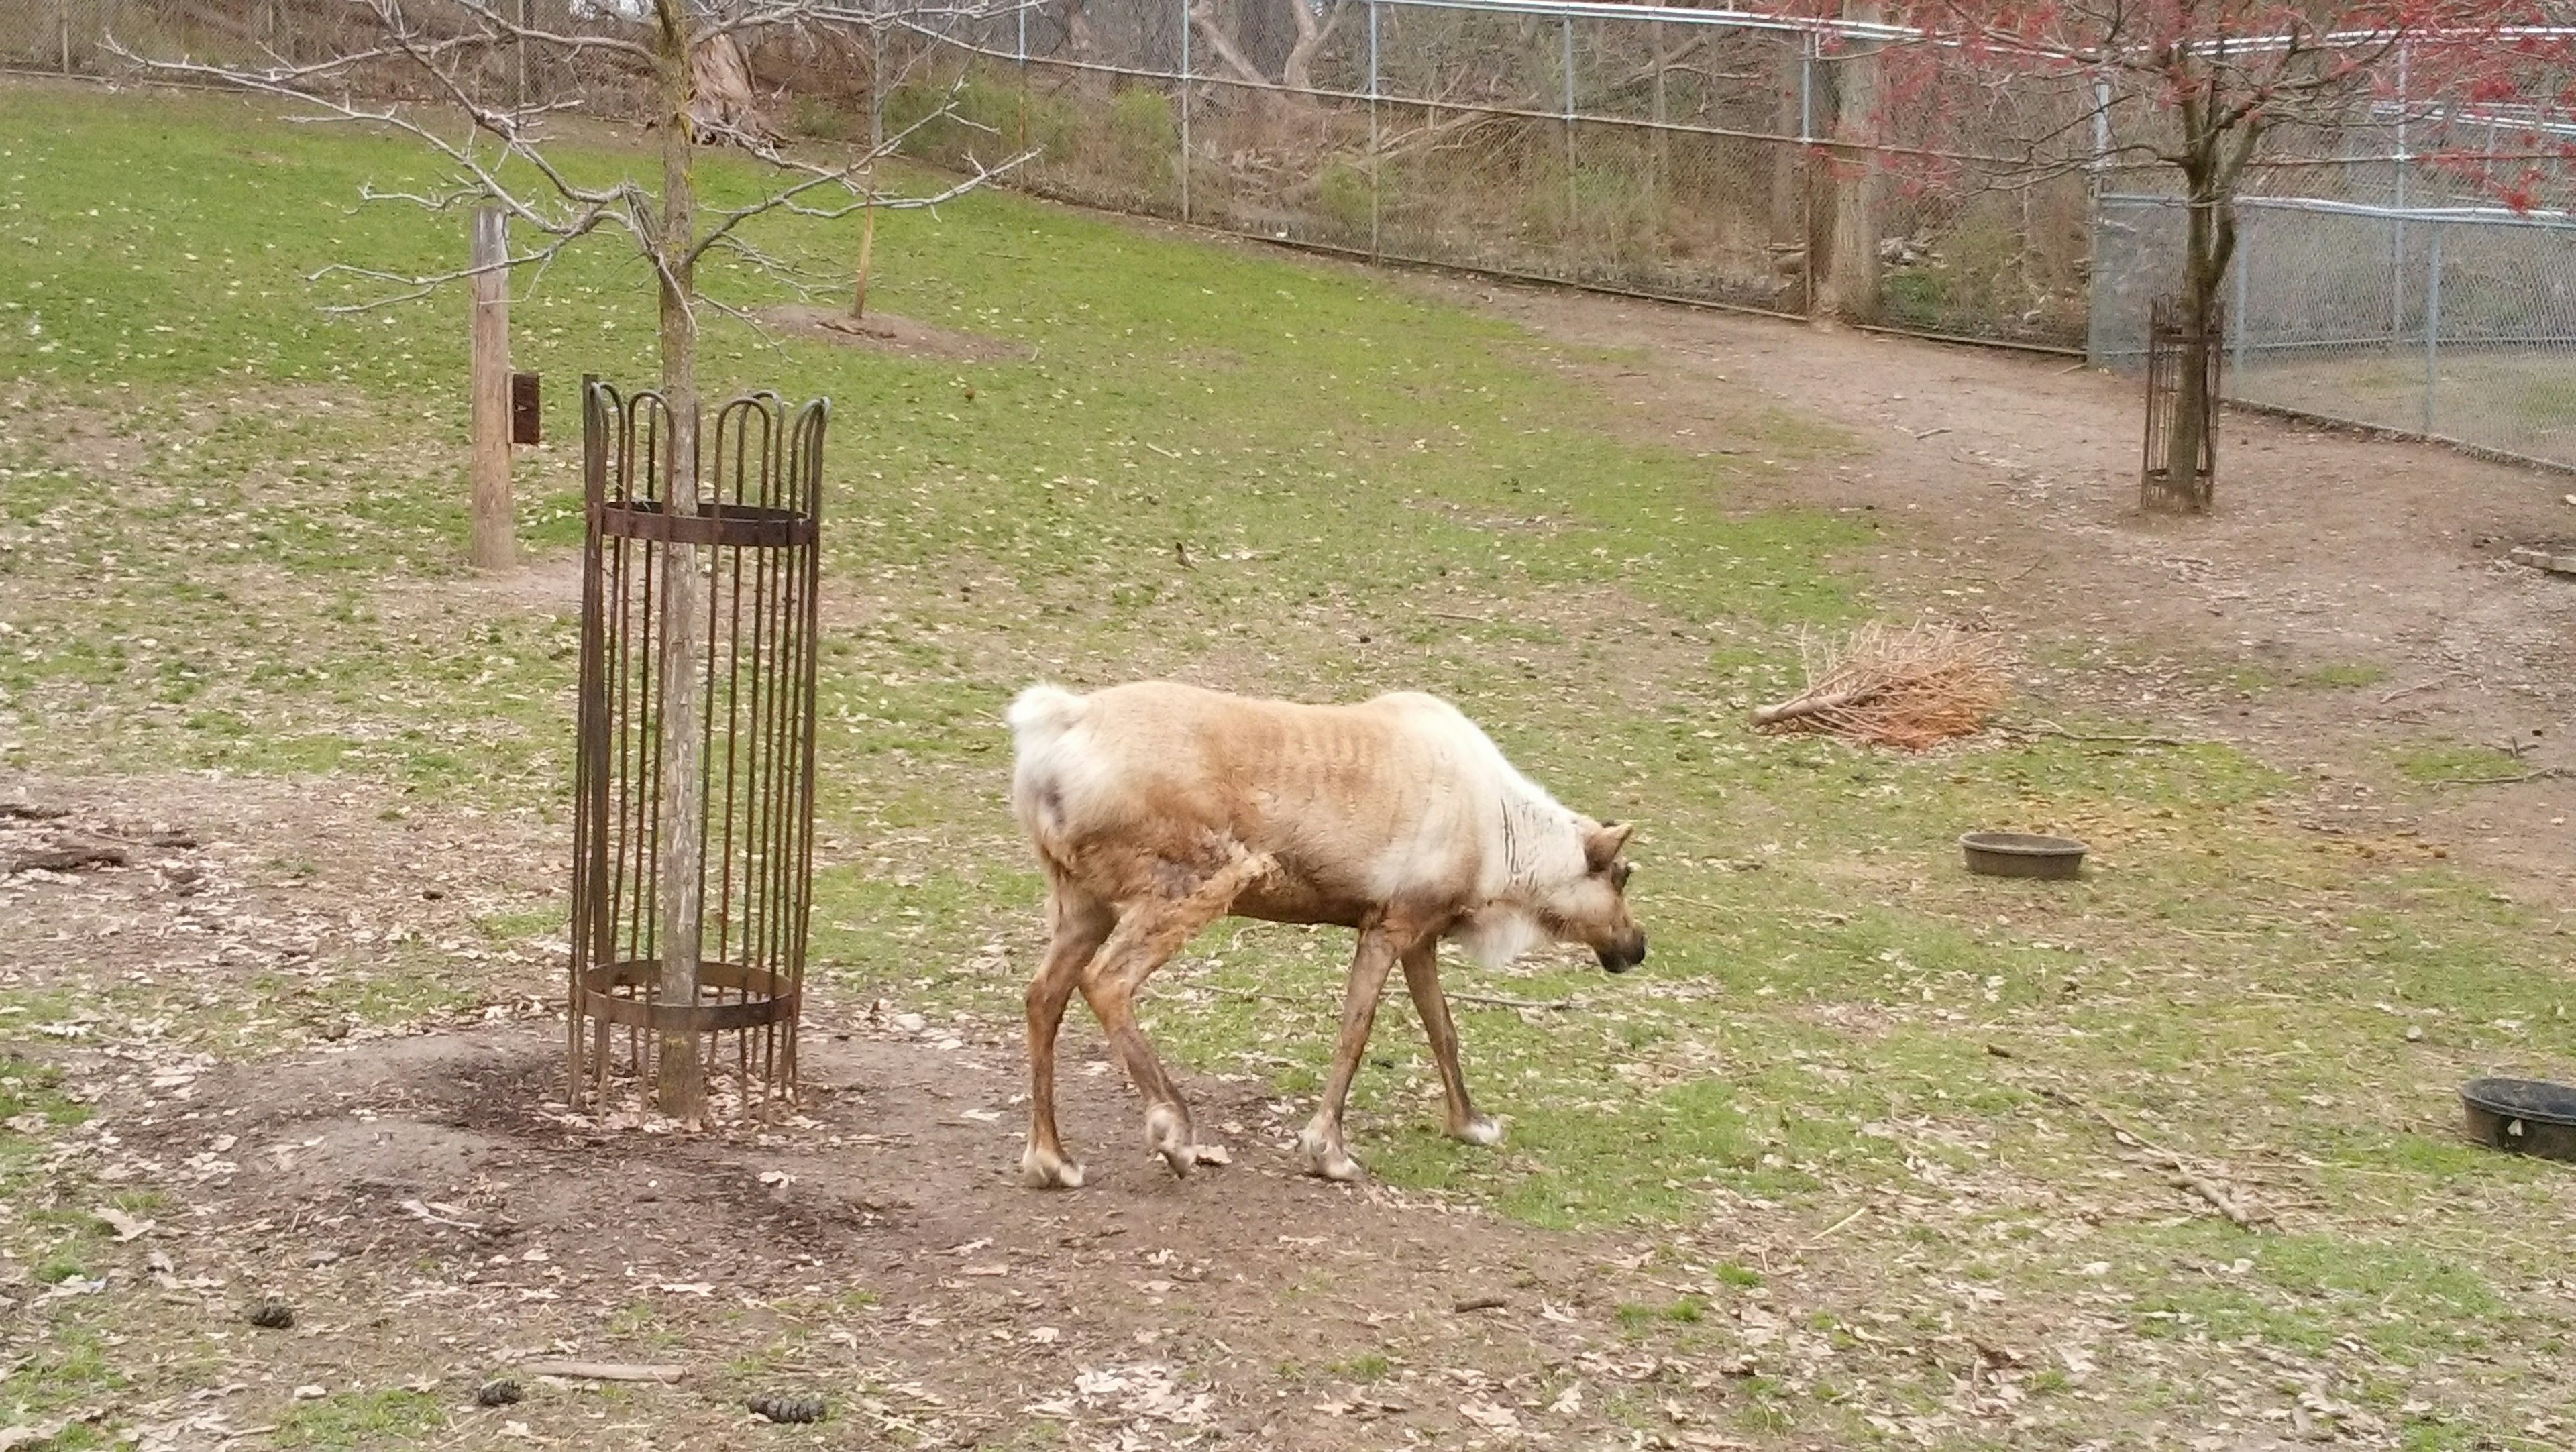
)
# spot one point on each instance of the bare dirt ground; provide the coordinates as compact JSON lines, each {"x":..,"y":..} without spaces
{"x":434,"y":1214}
{"x":2010,"y":485}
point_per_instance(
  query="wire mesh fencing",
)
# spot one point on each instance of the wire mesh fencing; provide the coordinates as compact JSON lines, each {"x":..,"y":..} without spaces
{"x":2457,"y":322}
{"x":1693,"y":154}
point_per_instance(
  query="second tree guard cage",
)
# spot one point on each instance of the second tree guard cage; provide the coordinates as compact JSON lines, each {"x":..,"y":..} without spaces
{"x":747,"y":544}
{"x":2172,"y":351}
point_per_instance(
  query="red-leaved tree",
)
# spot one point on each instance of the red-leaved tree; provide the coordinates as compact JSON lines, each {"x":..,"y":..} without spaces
{"x":2207,"y":89}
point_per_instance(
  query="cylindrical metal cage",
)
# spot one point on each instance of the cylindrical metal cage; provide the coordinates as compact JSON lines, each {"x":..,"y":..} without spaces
{"x":2174,"y":353}
{"x":747,"y":545}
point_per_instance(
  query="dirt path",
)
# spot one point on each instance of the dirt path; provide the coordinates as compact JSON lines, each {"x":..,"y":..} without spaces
{"x":2351,"y":597}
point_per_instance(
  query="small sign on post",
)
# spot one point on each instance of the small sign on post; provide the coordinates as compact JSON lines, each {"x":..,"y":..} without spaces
{"x":488,"y":385}
{"x":524,"y":416}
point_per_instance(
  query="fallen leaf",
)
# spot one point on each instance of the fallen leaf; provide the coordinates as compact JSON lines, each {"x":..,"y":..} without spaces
{"x":125,"y":1226}
{"x":1488,"y":1415}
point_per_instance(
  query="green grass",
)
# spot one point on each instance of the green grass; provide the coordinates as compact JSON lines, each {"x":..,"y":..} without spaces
{"x":362,"y":1419}
{"x":205,"y":567}
{"x":2345,"y":675}
{"x":2453,"y":761}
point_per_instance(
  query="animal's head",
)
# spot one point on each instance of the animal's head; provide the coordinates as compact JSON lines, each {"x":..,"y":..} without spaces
{"x":1593,"y":909}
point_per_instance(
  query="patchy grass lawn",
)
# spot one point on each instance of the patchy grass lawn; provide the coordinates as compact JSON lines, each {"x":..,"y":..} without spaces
{"x":230,"y":542}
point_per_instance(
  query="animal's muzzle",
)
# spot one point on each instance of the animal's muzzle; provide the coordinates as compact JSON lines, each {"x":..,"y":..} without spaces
{"x":1621,"y":957}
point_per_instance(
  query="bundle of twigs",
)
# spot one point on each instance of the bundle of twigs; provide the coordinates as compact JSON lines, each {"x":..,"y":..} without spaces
{"x":1909,"y":688}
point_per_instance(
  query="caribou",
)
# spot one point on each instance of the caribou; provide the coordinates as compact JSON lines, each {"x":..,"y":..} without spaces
{"x":1158,"y":808}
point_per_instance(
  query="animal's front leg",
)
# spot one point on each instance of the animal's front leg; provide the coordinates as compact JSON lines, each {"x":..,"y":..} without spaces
{"x":1422,"y":976}
{"x":1322,"y":1138}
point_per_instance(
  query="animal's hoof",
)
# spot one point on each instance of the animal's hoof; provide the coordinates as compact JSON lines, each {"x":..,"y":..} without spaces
{"x":1167,"y":1131}
{"x":1049,"y":1172}
{"x":1483,"y":1129}
{"x":1327,"y":1158}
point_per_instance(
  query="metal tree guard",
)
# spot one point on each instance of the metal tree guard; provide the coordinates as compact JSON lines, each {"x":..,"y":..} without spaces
{"x":760,"y":472}
{"x":2171,"y":348}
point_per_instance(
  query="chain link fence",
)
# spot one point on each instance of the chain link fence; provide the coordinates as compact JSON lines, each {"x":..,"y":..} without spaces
{"x":1675,"y":153}
{"x":2457,"y":322}
{"x":1687,"y":154}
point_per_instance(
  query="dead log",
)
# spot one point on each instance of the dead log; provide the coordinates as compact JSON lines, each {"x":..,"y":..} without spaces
{"x":70,"y":857}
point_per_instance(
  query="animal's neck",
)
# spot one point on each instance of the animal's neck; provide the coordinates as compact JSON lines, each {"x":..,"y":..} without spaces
{"x":1531,"y":826}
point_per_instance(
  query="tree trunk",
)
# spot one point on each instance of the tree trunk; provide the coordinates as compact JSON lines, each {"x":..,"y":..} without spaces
{"x":1298,"y":72}
{"x":722,"y":102}
{"x":867,"y":251}
{"x":1791,"y":166}
{"x":1848,"y":283}
{"x":681,"y":823}
{"x":2208,"y":248}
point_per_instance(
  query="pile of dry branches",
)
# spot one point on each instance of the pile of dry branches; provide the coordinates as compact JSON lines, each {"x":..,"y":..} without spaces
{"x":1909,"y":688}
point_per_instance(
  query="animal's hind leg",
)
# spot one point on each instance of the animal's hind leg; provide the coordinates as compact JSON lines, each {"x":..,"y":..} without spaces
{"x":1422,"y":977}
{"x":1149,"y":932}
{"x":1079,"y":925}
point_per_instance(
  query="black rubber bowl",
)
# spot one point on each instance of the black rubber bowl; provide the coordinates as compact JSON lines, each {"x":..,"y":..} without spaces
{"x":2021,"y":854}
{"x":2523,"y":1116}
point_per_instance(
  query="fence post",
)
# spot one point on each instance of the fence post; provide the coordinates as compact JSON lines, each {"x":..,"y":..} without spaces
{"x":1376,"y":250}
{"x":1185,"y":109}
{"x":1570,"y":199}
{"x":1807,"y":172}
{"x":1022,"y":11}
{"x":63,"y":25}
{"x":519,"y":57}
{"x":2096,"y":175}
{"x":2244,"y":269}
{"x":2397,"y":199}
{"x":876,"y":86}
{"x":2433,"y":331}
{"x":1656,"y":154}
{"x":489,"y":389}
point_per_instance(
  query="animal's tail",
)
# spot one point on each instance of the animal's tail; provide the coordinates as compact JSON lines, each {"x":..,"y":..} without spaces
{"x":1040,"y":720}
{"x":1040,"y":715}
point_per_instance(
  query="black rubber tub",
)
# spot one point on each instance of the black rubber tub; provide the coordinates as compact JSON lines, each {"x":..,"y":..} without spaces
{"x":2523,"y":1116}
{"x":2022,"y":854}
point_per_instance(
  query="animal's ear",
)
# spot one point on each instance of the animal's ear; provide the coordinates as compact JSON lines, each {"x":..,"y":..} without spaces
{"x":1601,"y":845}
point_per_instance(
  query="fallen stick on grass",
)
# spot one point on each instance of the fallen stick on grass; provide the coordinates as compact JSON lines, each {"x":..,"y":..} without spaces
{"x":2217,"y":1190}
{"x":1496,"y":1000}
{"x":2055,"y":732}
{"x":603,"y":1370}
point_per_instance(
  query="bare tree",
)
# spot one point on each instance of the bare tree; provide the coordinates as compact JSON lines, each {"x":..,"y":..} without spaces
{"x":1847,"y":284}
{"x":1313,"y":25}
{"x":684,"y":63}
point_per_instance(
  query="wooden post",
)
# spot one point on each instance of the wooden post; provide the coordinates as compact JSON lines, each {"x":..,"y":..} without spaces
{"x":489,"y":385}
